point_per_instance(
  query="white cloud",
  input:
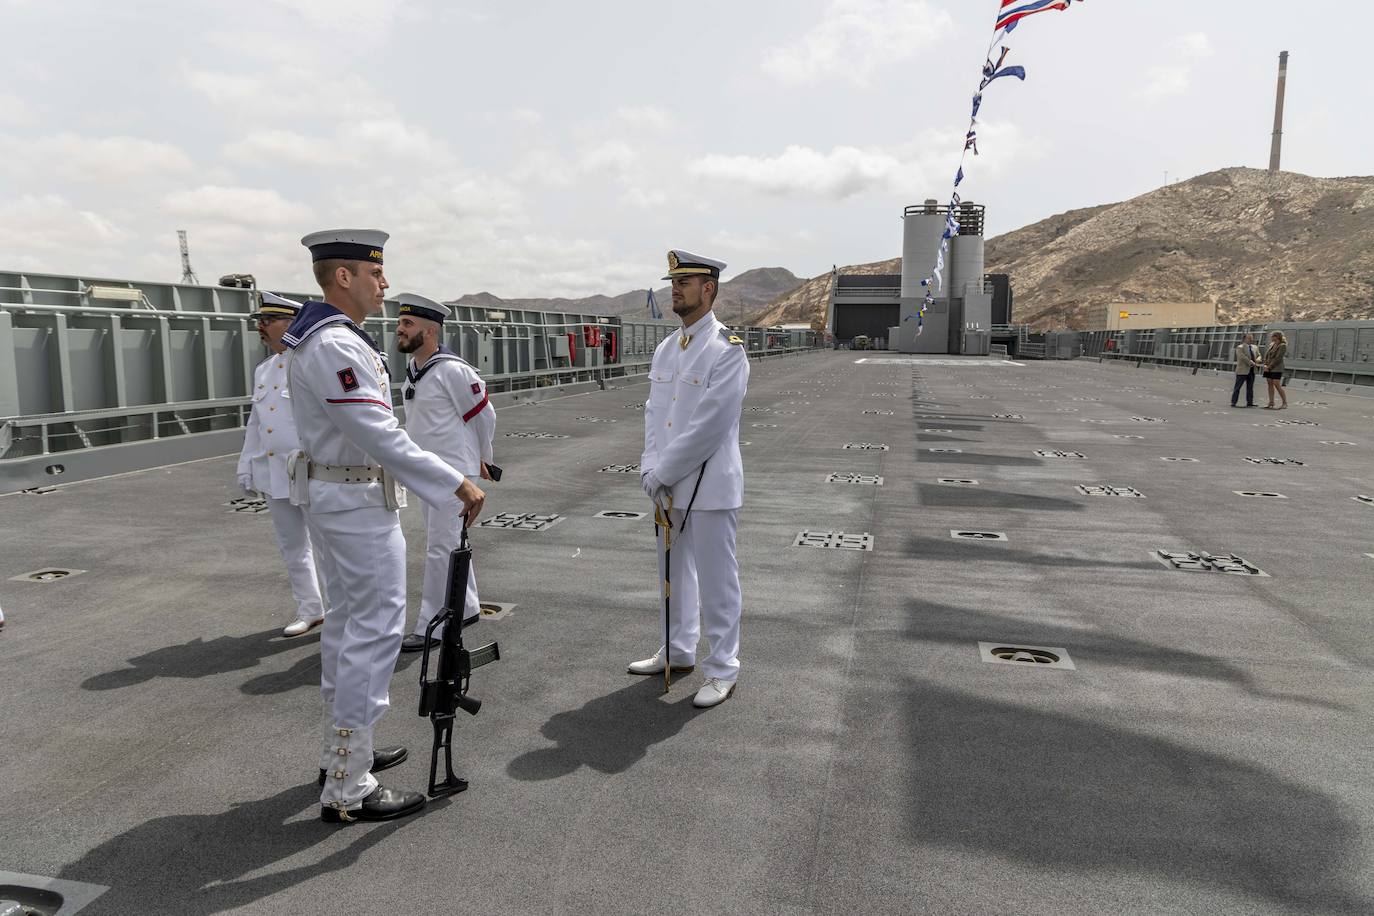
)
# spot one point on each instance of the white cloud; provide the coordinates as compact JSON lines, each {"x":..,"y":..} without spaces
{"x":542,"y":166}
{"x":1193,"y":44}
{"x":100,"y":160}
{"x":801,"y":170}
{"x":855,"y":38}
{"x":346,"y":15}
{"x":14,"y":111}
{"x":236,"y":206}
{"x":526,"y":116}
{"x":650,"y":117}
{"x":49,"y":220}
{"x":1175,"y":76}
{"x":613,"y":155}
{"x":289,"y":91}
{"x":267,"y":148}
{"x":393,"y":139}
{"x":725,"y":240}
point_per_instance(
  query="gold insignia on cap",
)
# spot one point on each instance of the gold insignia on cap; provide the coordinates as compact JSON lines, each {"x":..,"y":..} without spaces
{"x":673,"y":260}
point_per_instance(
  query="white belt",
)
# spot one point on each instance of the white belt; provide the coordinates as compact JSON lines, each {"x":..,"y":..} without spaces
{"x":344,"y":473}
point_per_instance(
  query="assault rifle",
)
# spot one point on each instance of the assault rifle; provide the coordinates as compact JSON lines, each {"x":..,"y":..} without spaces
{"x":447,"y":692}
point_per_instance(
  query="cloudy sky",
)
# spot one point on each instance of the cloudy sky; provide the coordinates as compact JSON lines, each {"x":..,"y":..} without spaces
{"x":554,"y":148}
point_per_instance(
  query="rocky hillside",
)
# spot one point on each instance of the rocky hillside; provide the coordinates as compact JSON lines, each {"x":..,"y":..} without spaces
{"x":1257,"y":245}
{"x":744,"y":294}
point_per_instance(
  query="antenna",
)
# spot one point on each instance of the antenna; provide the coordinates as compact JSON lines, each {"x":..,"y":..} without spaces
{"x":187,"y":274}
{"x":1278,"y":114}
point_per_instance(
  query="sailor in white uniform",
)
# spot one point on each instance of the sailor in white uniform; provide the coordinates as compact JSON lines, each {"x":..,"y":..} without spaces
{"x":691,"y":460}
{"x":352,"y":455}
{"x":448,"y":413}
{"x":268,"y":439}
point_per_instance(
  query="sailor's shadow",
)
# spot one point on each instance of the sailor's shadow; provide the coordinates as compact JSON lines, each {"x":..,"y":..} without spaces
{"x":926,"y":548}
{"x":305,"y":672}
{"x":1054,"y":791}
{"x":199,"y":658}
{"x":961,"y":626}
{"x":977,"y":458}
{"x":194,"y":864}
{"x":610,"y":734}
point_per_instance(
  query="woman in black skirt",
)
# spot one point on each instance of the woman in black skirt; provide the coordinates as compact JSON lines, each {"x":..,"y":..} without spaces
{"x":1273,"y":369}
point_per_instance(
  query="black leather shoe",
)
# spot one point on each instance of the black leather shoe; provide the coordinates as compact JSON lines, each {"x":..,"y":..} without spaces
{"x":382,"y":805}
{"x":383,"y":758}
{"x":415,"y":642}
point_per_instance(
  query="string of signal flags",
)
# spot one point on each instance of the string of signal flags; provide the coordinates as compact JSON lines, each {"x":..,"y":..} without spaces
{"x":1009,"y":15}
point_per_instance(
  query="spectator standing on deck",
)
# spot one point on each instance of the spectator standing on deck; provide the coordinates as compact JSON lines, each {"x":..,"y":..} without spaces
{"x":1273,"y":369}
{"x":1247,"y":358}
{"x":691,"y":468}
{"x":447,"y":413}
{"x":352,"y":459}
{"x":271,"y":436}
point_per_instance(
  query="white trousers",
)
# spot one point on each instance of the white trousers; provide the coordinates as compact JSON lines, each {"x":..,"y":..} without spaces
{"x":366,"y":578}
{"x":705,"y":590}
{"x":443,"y":531}
{"x":293,"y":539}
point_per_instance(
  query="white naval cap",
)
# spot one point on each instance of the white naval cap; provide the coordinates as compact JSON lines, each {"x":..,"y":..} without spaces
{"x":685,"y":264}
{"x":420,"y":307}
{"x":346,"y":244}
{"x":276,"y":306}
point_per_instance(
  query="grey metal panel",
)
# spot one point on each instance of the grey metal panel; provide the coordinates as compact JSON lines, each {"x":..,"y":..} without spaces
{"x":1307,"y":344}
{"x":139,"y":348}
{"x":224,"y":363}
{"x":89,"y":369}
{"x":188,"y":365}
{"x":1345,"y":345}
{"x":1326,"y":337}
{"x":1364,"y":348}
{"x":9,"y":377}
{"x":32,"y":367}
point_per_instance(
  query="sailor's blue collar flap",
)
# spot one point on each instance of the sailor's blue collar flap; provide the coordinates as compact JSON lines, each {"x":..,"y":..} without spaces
{"x":315,"y":315}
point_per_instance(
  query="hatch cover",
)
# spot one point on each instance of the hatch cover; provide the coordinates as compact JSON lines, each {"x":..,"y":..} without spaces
{"x":524,"y":521}
{"x":1095,"y":490}
{"x":1202,"y":561}
{"x":1026,"y":656}
{"x":834,"y":539}
{"x":47,"y":574}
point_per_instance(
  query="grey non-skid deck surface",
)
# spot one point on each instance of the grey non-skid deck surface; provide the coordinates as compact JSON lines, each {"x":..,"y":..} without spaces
{"x":1210,"y":751}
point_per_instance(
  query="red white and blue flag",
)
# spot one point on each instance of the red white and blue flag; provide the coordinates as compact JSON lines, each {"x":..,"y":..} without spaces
{"x":1013,"y":11}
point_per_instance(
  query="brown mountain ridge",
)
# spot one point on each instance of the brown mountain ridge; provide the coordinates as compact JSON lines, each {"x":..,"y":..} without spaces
{"x":1258,"y":246}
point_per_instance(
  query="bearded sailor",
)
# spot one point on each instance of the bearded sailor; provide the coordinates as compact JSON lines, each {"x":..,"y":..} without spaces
{"x":692,"y":470}
{"x":448,"y":413}
{"x":352,"y":459}
{"x":269,"y":437}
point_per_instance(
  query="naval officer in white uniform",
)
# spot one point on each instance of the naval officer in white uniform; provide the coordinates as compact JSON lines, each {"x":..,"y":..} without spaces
{"x":448,"y":413}
{"x":269,"y":438}
{"x":353,"y":457}
{"x":698,"y":380}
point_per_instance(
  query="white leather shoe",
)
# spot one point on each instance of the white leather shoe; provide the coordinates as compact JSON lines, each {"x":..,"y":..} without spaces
{"x":301,"y":627}
{"x":714,"y":692}
{"x":654,"y":665}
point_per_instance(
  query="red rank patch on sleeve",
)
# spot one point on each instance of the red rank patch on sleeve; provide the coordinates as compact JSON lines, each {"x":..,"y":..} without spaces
{"x":476,"y":387}
{"x":348,"y":378}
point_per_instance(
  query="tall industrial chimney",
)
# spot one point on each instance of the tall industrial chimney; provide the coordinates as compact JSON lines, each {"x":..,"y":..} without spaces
{"x":1278,"y":114}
